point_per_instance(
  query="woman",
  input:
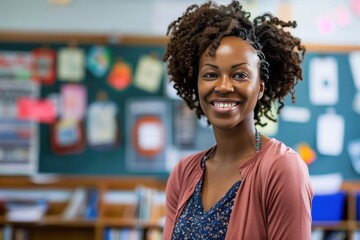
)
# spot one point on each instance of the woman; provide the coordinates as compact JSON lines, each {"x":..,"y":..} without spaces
{"x":231,"y":70}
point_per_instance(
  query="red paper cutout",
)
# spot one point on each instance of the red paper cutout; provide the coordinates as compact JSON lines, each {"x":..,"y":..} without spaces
{"x":36,"y":110}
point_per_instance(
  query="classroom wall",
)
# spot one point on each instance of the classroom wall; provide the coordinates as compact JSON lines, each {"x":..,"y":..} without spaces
{"x":333,"y":22}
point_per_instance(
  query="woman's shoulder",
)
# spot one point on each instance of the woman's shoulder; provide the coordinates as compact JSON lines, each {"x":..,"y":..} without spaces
{"x":281,"y":157}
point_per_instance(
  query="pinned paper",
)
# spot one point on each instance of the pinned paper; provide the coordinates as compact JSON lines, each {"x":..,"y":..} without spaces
{"x":99,"y":60}
{"x":354,"y":60}
{"x":120,"y":76}
{"x":354,"y":152}
{"x":102,"y":129}
{"x":306,"y":153}
{"x":36,"y":110}
{"x":330,"y":131}
{"x":44,"y":66}
{"x":323,"y":76}
{"x":272,"y":127}
{"x":295,"y":114}
{"x":74,"y":99}
{"x":148,"y":74}
{"x":71,"y":64}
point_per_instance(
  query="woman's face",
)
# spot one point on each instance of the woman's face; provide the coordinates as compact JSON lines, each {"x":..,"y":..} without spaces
{"x":229,"y":83}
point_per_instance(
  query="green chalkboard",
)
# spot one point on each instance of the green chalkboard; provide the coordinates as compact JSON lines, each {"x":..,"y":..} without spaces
{"x":94,"y":162}
{"x":293,"y":133}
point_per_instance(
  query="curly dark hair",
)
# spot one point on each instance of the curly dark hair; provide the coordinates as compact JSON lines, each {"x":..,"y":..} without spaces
{"x":202,"y":27}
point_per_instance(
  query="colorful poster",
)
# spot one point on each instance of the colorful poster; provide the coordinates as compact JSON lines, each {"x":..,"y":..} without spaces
{"x":15,"y":65}
{"x":148,"y":131}
{"x":18,"y":138}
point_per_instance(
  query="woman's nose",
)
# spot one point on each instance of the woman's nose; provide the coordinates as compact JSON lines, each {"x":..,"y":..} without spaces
{"x":224,"y":85}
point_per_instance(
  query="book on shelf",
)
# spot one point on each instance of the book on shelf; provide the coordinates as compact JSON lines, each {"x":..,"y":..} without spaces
{"x":83,"y":203}
{"x":25,"y":210}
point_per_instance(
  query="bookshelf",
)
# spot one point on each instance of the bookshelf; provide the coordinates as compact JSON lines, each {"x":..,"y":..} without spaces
{"x":349,"y":225}
{"x":115,"y":214}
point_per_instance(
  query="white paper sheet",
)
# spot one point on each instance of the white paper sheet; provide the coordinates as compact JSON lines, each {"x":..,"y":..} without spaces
{"x":330,"y":133}
{"x":295,"y":114}
{"x":323,"y":77}
{"x":354,"y":152}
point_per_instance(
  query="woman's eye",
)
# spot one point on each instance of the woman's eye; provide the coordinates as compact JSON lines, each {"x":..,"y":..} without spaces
{"x":209,"y":75}
{"x":240,"y":75}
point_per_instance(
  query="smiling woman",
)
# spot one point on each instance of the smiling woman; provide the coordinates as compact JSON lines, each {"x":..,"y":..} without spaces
{"x":231,"y":70}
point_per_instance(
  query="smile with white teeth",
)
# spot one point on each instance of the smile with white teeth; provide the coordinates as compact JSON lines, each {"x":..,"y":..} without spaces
{"x":224,"y":104}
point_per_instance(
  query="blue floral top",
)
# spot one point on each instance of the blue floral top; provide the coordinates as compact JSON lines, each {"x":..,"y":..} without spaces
{"x":196,"y":223}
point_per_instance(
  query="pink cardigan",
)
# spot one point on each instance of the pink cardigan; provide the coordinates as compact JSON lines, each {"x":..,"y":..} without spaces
{"x":273,"y":201}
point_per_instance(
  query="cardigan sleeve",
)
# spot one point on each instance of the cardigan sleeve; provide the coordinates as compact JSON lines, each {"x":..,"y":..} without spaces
{"x":289,"y":198}
{"x":172,"y":192}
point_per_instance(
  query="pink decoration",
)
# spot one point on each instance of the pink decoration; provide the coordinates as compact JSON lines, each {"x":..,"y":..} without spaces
{"x":355,"y":6}
{"x":342,"y":16}
{"x":326,"y":25}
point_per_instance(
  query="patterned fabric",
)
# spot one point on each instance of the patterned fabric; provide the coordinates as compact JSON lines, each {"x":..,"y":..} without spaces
{"x":196,"y":223}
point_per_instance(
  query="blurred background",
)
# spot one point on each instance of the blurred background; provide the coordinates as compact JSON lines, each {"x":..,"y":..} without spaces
{"x":90,"y":126}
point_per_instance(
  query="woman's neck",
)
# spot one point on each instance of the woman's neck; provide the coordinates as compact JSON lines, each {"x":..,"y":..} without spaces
{"x":235,"y":145}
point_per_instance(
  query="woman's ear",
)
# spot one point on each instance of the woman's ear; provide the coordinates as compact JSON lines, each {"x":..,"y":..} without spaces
{"x":261,"y":90}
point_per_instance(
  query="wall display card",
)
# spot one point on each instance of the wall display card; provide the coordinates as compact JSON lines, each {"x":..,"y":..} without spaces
{"x":354,"y":152}
{"x":323,"y":77}
{"x":99,"y":60}
{"x":15,"y":65}
{"x":295,"y":114}
{"x":71,"y":64}
{"x":102,"y":129}
{"x":44,"y":66}
{"x":74,"y":100}
{"x":120,"y":75}
{"x":354,"y":60}
{"x":148,"y":73}
{"x":18,"y":138}
{"x":330,"y":132}
{"x":147,"y":125}
{"x":67,"y":137}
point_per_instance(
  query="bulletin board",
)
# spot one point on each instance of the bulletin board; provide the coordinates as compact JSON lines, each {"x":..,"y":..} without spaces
{"x":293,"y":133}
{"x":94,"y":162}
